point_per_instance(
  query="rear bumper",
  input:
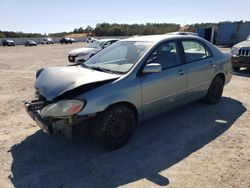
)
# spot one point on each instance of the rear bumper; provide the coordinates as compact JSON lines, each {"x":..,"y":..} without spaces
{"x":242,"y":61}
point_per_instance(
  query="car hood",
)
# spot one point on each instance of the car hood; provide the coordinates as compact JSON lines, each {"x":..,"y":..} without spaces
{"x":55,"y":81}
{"x":83,"y":50}
{"x":245,"y":43}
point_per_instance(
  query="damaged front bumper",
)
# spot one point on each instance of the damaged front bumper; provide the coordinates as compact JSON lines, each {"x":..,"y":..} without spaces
{"x":51,"y":125}
{"x":33,"y":108}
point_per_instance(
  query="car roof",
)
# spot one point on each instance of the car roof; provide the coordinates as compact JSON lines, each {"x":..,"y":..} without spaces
{"x":158,"y":38}
{"x":105,"y":40}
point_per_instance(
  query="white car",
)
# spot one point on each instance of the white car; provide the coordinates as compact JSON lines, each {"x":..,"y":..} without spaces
{"x":91,"y":40}
{"x":47,"y":41}
{"x":82,"y":54}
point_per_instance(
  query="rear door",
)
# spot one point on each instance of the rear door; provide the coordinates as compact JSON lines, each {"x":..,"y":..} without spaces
{"x":166,"y":88}
{"x":199,"y":66}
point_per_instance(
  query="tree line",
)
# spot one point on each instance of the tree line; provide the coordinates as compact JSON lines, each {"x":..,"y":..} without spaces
{"x":107,"y":29}
{"x":12,"y":34}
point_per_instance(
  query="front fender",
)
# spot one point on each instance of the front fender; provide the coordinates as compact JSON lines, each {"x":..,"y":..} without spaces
{"x":99,"y":99}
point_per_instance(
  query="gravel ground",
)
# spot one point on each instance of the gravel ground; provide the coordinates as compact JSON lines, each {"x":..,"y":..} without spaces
{"x":196,"y":145}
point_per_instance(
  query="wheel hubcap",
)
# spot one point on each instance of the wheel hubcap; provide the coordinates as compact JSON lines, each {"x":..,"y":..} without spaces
{"x":116,"y":127}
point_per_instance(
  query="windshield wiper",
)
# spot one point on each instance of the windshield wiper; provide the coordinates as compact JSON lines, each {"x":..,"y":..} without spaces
{"x":87,"y":66}
{"x":107,"y":70}
{"x":101,"y":69}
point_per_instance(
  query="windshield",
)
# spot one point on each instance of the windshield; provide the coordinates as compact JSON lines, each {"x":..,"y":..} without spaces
{"x":248,"y":38}
{"x":119,"y":57}
{"x":96,"y":44}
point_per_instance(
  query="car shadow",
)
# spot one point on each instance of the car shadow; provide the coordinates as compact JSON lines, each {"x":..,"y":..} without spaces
{"x":243,"y":73}
{"x":157,"y":144}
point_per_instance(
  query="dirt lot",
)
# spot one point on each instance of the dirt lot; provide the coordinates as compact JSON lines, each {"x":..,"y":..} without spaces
{"x":196,"y":145}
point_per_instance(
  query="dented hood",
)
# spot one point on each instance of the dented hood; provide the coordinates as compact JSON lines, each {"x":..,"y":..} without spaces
{"x":54,"y":81}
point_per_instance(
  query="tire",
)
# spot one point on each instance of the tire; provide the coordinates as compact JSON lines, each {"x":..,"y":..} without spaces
{"x":113,"y":128}
{"x":215,"y":91}
{"x":236,"y":69}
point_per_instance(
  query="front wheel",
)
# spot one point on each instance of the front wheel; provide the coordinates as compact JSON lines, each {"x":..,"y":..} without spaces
{"x":114,"y":127}
{"x":215,"y":91}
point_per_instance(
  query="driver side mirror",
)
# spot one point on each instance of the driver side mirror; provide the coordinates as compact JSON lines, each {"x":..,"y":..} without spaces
{"x":152,"y":68}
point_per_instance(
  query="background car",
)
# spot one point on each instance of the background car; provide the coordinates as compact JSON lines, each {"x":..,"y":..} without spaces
{"x":8,"y":42}
{"x":82,"y":54}
{"x":241,"y":55}
{"x":91,"y":40}
{"x":67,"y":40}
{"x":30,"y":43}
{"x":47,"y":41}
{"x":73,"y":40}
{"x":132,"y":80}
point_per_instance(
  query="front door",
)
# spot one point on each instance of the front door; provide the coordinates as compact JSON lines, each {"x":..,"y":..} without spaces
{"x":166,"y":88}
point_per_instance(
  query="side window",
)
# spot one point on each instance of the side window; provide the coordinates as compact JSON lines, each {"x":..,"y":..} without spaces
{"x":166,"y":54}
{"x":195,"y":51}
{"x":107,"y":44}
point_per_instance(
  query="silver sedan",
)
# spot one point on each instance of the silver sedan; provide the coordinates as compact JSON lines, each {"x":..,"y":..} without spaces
{"x":129,"y":81}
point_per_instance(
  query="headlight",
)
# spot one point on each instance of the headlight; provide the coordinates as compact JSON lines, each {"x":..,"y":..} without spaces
{"x":234,"y":51}
{"x":62,"y":108}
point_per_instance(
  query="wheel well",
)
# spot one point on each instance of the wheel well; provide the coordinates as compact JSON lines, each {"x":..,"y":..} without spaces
{"x":222,"y":76}
{"x":127,"y":104}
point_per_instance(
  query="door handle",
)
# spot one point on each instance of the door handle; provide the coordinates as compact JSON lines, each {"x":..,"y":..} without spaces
{"x":212,"y":64}
{"x":181,"y":72}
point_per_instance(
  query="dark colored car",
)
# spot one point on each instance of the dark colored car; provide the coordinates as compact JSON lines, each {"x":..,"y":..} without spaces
{"x":241,"y":55}
{"x":30,"y":43}
{"x":67,"y":41}
{"x":8,"y":42}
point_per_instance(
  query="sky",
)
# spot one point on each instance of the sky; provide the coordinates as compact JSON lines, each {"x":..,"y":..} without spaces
{"x":49,"y":16}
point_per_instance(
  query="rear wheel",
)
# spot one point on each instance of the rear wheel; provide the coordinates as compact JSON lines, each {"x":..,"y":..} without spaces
{"x":215,"y":91}
{"x":114,"y":127}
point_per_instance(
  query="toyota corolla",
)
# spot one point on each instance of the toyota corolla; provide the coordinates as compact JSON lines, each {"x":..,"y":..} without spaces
{"x":129,"y":81}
